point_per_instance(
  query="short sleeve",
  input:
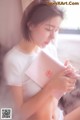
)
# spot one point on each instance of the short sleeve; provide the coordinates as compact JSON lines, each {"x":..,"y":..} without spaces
{"x":12,"y":72}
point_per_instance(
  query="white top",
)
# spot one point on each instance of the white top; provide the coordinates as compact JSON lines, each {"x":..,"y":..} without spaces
{"x":16,"y":63}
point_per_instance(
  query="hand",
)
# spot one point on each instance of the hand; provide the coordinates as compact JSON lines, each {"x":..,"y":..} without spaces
{"x":62,"y":82}
{"x":73,"y":71}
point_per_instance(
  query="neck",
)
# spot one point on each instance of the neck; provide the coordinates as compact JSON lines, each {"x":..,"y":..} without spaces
{"x":27,"y":46}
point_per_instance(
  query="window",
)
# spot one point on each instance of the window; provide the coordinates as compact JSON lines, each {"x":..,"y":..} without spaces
{"x":71,"y":22}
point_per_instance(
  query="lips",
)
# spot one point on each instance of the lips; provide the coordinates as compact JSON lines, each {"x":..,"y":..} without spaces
{"x":46,"y":42}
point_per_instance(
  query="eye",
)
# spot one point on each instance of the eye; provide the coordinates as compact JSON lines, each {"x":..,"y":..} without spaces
{"x":52,"y":29}
{"x":48,"y":29}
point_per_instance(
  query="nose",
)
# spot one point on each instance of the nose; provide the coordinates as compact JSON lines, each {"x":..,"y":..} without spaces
{"x":52,"y":35}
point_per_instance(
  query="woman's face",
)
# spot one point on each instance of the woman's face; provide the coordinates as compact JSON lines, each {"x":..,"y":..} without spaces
{"x":43,"y":33}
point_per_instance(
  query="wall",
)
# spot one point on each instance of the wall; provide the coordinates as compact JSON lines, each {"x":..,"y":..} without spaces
{"x":25,"y":3}
{"x":10,"y":16}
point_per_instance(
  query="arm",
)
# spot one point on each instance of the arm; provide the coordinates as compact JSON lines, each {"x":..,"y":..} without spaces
{"x":32,"y":105}
{"x":29,"y":107}
{"x":13,"y":75}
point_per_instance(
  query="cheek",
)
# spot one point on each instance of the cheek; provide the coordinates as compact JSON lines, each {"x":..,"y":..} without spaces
{"x":41,"y":36}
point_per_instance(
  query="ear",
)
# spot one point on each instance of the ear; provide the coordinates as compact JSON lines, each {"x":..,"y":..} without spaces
{"x":31,"y":26}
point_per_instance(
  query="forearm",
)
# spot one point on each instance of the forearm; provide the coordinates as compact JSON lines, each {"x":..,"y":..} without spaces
{"x":32,"y":105}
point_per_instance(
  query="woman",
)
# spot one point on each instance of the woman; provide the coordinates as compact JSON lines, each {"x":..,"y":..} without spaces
{"x":40,"y":22}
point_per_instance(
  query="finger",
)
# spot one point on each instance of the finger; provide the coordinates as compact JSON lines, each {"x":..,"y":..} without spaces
{"x":70,"y":89}
{"x":70,"y":80}
{"x":73,"y":76}
{"x":69,"y":65}
{"x":70,"y":85}
{"x":66,"y":63}
{"x":70,"y":73}
{"x":62,"y":72}
{"x":66,"y":70}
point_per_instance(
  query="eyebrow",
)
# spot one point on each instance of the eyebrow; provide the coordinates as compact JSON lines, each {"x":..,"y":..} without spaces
{"x":50,"y":25}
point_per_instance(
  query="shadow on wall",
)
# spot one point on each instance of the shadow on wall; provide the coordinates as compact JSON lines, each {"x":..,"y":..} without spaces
{"x":10,"y":34}
{"x":10,"y":17}
{"x":3,"y":51}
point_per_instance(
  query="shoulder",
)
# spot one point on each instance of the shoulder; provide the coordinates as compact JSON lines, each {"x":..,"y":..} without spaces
{"x":15,"y":56}
{"x":14,"y":60}
{"x":11,"y":57}
{"x":17,"y":59}
{"x":10,"y":63}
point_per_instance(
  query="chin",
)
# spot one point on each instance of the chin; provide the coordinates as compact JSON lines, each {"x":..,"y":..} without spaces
{"x":43,"y":46}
